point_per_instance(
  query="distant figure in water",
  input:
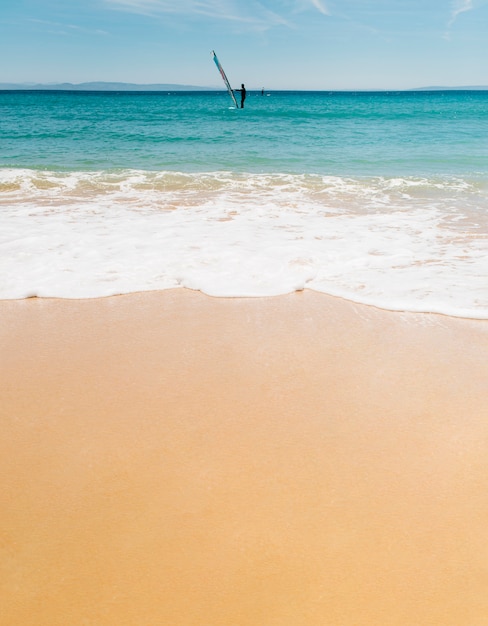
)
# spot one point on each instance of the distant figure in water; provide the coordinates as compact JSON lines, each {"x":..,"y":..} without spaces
{"x":243,"y":94}
{"x":262,"y":91}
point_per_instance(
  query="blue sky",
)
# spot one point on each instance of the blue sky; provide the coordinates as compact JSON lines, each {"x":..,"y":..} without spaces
{"x":276,"y":44}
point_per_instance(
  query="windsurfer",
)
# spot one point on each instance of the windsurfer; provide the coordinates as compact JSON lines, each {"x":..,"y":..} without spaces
{"x":243,"y":94}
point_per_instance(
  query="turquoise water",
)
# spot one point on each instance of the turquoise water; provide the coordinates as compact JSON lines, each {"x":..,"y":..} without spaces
{"x":381,"y":198}
{"x":359,"y":134}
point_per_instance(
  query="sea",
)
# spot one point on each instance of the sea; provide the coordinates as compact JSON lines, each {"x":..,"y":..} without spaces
{"x":377,"y":197}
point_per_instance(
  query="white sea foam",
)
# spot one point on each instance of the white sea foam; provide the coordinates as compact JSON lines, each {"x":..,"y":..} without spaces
{"x":401,"y":244}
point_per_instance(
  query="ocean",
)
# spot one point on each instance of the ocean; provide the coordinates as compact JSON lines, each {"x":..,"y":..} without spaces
{"x":377,"y":197}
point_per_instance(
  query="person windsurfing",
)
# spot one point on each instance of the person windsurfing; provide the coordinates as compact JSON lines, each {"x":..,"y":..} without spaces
{"x":243,"y":94}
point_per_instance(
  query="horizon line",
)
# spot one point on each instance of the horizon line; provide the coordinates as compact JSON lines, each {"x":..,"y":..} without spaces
{"x":129,"y":86}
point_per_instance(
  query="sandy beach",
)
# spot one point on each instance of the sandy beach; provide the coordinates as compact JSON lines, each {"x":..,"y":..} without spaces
{"x":172,"y":459}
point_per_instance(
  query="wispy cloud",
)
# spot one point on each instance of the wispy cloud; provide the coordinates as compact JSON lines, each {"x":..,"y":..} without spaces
{"x":257,"y":14}
{"x":301,"y":6}
{"x":320,"y":6}
{"x":458,"y":7}
{"x":66,"y":29}
{"x":221,"y":9}
{"x":151,"y":7}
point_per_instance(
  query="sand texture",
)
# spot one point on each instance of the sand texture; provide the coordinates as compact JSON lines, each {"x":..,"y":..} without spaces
{"x":171,"y":459}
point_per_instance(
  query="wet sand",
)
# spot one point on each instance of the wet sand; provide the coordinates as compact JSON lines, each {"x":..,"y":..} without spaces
{"x":178,"y":460}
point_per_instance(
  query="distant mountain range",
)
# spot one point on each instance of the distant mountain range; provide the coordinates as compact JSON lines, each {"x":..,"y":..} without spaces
{"x":101,"y":86}
{"x":465,"y":88}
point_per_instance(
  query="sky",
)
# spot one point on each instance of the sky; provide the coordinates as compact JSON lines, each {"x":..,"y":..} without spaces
{"x":275,"y":44}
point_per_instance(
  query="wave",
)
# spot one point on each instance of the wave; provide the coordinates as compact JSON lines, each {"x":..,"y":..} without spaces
{"x":403,"y":243}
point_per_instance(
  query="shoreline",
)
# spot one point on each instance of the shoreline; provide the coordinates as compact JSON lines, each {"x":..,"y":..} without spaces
{"x":326,"y":295}
{"x":175,"y":458}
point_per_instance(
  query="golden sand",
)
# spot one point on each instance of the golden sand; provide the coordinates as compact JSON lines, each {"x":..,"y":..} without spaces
{"x":170,"y":459}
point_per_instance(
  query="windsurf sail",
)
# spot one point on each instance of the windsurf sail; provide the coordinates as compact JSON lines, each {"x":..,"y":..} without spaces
{"x":224,"y":78}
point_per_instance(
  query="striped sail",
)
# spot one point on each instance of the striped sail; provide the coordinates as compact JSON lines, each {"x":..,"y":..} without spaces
{"x":224,"y":78}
